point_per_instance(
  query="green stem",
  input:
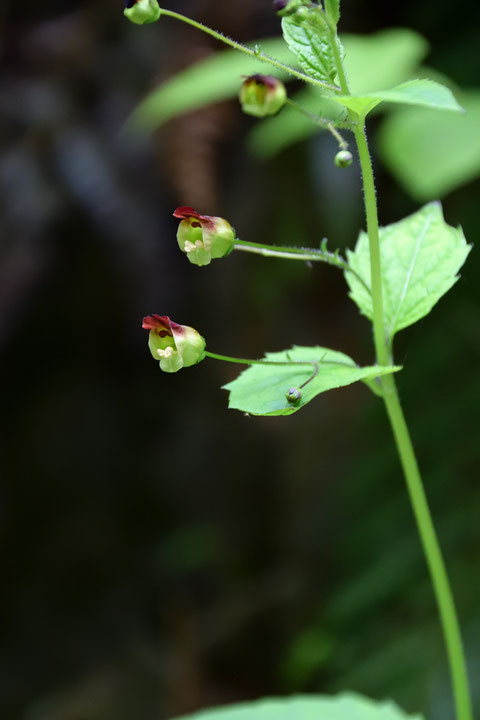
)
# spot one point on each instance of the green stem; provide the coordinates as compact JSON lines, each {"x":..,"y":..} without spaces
{"x":423,"y":518}
{"x":295,"y":253}
{"x":421,"y":511}
{"x":252,"y":53}
{"x":245,"y":361}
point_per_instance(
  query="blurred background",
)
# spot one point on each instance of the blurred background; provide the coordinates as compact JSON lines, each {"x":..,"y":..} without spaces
{"x":159,"y":552}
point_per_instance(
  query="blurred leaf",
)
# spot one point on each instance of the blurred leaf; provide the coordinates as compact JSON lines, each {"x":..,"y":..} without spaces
{"x":311,"y":47}
{"x":260,"y":390}
{"x":420,"y":258}
{"x":384,"y":59}
{"x":347,"y":706}
{"x":374,"y":61}
{"x":414,"y":92}
{"x":215,"y":78}
{"x":429,"y":153}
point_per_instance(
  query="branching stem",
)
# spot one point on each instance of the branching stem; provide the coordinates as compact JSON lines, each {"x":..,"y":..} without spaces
{"x":296,"y":253}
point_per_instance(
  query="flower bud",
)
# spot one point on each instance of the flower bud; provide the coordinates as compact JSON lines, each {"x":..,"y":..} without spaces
{"x":343,"y":159}
{"x":287,"y":7}
{"x":142,"y":12}
{"x":175,"y":346}
{"x":203,"y":237}
{"x":293,"y":395}
{"x":262,"y":95}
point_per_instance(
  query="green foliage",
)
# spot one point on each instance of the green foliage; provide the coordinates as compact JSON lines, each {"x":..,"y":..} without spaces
{"x":410,"y":144}
{"x":427,"y":93}
{"x":421,"y":256}
{"x":347,"y":706}
{"x":260,"y":390}
{"x":310,"y":44}
{"x":207,"y":81}
{"x":373,"y":61}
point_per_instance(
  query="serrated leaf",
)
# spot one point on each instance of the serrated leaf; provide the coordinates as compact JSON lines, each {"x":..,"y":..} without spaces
{"x":332,"y":8}
{"x":412,"y":143}
{"x":213,"y":79}
{"x":311,"y":47}
{"x":260,"y":389}
{"x":427,"y":93}
{"x":346,"y":706}
{"x":421,"y":256}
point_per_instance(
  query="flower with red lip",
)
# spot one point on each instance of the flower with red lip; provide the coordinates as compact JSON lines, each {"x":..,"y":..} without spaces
{"x":174,"y":345}
{"x":262,"y":95}
{"x":142,"y":12}
{"x":203,"y":237}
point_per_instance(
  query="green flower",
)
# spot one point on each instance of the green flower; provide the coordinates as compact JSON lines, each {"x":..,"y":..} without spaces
{"x":175,"y":346}
{"x":203,"y":237}
{"x":262,"y":95}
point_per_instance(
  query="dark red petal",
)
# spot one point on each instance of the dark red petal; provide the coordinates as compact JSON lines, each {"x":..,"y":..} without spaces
{"x":186,"y":212}
{"x":156,"y":322}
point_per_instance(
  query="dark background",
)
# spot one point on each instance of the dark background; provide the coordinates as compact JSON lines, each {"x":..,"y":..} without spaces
{"x":160,"y":553}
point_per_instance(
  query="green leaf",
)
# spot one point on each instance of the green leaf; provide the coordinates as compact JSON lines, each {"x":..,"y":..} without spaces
{"x":431,"y":154}
{"x":414,"y":92}
{"x":332,"y":8}
{"x":309,"y":42}
{"x":260,"y":390}
{"x":372,"y":61}
{"x":420,"y":256}
{"x":215,"y":78}
{"x":347,"y":706}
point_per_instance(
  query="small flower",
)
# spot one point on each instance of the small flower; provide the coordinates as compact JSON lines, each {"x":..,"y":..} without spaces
{"x":203,"y":237}
{"x":176,"y":346}
{"x":142,"y":12}
{"x":262,"y":95}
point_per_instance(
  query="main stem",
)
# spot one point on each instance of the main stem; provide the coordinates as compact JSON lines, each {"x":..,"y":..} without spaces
{"x":426,"y":529}
{"x":421,"y":511}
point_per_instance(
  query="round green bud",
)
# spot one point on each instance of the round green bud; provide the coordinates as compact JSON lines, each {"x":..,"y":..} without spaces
{"x":293,"y":395}
{"x":343,"y":158}
{"x":262,"y":95}
{"x":142,"y":12}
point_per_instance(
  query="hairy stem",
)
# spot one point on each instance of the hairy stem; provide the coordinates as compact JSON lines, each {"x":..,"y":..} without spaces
{"x":258,"y":54}
{"x":423,"y":518}
{"x":418,"y":499}
{"x":296,"y":253}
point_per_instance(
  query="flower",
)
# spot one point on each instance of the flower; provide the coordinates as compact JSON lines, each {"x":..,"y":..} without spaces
{"x":262,"y":95}
{"x":203,"y":237}
{"x":175,"y":345}
{"x":142,"y":12}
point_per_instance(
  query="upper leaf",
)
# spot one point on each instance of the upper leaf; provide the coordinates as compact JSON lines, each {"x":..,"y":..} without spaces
{"x":347,"y":706}
{"x":260,"y":390}
{"x":332,"y":8}
{"x":420,"y":257}
{"x":309,"y":42}
{"x":427,"y":93}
